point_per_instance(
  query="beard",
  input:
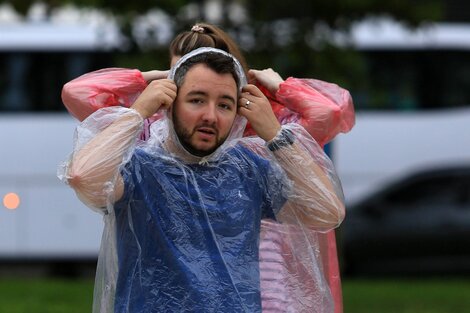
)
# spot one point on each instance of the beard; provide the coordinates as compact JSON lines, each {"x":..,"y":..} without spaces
{"x":185,"y":135}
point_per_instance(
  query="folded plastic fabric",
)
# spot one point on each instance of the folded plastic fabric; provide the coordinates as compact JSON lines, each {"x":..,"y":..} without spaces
{"x":323,"y":109}
{"x":326,"y":107}
{"x":102,"y":88}
{"x":301,"y":190}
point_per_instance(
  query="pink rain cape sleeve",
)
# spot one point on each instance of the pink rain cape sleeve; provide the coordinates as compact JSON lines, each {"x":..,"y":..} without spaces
{"x":103,"y":88}
{"x":323,"y":109}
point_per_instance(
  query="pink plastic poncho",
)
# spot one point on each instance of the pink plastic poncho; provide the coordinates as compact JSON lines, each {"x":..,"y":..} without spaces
{"x":323,"y":109}
{"x":331,"y":107}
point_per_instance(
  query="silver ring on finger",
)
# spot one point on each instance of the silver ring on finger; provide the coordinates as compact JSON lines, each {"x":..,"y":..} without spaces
{"x":247,"y":104}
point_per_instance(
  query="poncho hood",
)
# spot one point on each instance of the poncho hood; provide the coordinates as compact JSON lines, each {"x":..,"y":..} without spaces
{"x":163,"y":132}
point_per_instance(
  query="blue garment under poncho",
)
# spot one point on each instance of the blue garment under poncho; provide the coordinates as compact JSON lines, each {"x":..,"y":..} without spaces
{"x":188,"y":234}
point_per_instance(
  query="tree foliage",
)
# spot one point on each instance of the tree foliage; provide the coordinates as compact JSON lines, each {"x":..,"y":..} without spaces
{"x":339,"y":13}
{"x":282,"y":32}
{"x":306,"y":17}
{"x":123,"y":7}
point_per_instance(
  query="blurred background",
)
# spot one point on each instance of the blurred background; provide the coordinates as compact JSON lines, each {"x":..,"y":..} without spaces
{"x":405,"y":166}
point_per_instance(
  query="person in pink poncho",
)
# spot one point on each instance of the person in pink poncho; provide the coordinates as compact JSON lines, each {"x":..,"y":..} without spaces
{"x":323,"y":109}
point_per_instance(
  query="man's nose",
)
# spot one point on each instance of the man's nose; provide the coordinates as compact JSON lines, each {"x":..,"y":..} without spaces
{"x":210,"y":113}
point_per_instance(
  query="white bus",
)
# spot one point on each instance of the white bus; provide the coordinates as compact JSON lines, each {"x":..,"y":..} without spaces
{"x":41,"y":220}
{"x":50,"y":224}
{"x":413,"y":110}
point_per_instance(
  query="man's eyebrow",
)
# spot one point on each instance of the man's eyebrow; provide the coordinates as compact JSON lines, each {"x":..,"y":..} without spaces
{"x":197,"y":93}
{"x":230,"y":98}
{"x":203,"y":93}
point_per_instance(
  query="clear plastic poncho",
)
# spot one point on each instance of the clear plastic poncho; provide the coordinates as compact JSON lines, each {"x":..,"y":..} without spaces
{"x":186,"y":233}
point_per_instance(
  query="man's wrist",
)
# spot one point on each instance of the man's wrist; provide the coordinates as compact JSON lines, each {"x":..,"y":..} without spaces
{"x":284,"y":138}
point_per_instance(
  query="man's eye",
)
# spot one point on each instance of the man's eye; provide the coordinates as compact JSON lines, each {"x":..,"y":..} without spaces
{"x":225,"y":106}
{"x":196,"y":101}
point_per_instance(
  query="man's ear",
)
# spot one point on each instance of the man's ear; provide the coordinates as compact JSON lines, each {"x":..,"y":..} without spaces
{"x":238,"y":107}
{"x":170,"y":110}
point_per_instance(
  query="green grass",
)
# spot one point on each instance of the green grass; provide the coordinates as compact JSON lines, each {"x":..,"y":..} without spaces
{"x":360,"y":296}
{"x":406,"y":296}
{"x":45,"y":296}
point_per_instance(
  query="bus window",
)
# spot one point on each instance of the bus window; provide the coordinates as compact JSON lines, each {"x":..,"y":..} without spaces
{"x":411,"y":68}
{"x":414,"y":80}
{"x":32,"y":81}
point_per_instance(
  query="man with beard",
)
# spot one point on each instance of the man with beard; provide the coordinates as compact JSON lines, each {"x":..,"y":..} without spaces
{"x":183,"y":210}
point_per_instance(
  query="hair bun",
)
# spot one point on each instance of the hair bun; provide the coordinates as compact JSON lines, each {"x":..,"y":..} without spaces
{"x":197,"y":29}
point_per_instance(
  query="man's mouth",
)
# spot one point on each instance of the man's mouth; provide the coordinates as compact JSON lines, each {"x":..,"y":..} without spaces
{"x":207,"y":133}
{"x":207,"y":130}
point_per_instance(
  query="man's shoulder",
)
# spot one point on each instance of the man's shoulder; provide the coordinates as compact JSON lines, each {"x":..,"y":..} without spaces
{"x":149,"y":152}
{"x":143,"y":155}
{"x":246,"y":154}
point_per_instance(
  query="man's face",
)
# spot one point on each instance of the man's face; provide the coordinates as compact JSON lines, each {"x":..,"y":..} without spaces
{"x":204,"y":110}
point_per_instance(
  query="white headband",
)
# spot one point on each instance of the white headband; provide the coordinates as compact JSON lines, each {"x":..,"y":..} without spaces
{"x":238,"y":68}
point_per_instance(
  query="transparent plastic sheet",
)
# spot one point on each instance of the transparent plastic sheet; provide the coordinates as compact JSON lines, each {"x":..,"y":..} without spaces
{"x":295,"y":257}
{"x":290,"y":282}
{"x":323,"y":109}
{"x":326,"y":109}
{"x":102,"y":88}
{"x":304,"y":304}
{"x":198,"y":206}
{"x":120,"y":128}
